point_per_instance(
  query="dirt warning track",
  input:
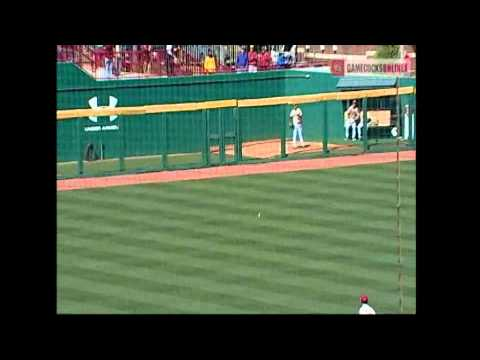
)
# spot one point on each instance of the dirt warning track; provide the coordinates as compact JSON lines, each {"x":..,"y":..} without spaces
{"x":232,"y":170}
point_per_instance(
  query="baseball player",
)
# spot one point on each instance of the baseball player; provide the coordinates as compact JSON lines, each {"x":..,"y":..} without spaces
{"x":297,"y":119}
{"x":353,"y":117}
{"x":365,"y":309}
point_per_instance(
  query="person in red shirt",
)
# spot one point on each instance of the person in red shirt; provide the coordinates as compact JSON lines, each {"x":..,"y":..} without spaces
{"x":408,"y":61}
{"x":147,"y":58}
{"x":264,"y":59}
{"x":252,"y":59}
{"x":108,"y":50}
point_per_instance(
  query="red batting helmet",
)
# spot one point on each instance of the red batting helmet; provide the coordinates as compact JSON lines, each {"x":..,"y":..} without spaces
{"x":364,"y":299}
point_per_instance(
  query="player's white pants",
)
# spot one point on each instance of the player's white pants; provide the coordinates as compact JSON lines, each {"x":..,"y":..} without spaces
{"x":350,"y":124}
{"x":297,"y":130}
{"x":406,"y":127}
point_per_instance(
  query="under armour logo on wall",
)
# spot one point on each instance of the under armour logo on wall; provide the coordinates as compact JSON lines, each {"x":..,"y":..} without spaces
{"x":93,"y":102}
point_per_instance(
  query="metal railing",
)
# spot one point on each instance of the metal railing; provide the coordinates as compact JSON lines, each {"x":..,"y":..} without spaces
{"x":153,"y":60}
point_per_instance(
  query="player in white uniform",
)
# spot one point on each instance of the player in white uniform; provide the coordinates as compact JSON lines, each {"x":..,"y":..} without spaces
{"x":365,"y":309}
{"x":353,"y":116}
{"x":297,"y":119}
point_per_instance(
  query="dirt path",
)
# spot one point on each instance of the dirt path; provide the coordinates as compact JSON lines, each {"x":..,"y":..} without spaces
{"x":232,"y":170}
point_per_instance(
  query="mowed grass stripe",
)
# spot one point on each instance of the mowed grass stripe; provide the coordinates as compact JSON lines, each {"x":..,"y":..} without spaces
{"x":229,"y":243}
{"x":182,"y":232}
{"x":216,"y":264}
{"x":228,"y":213}
{"x":254,"y":258}
{"x":211,"y":224}
{"x":192,"y":277}
{"x":255,"y":192}
{"x":138,"y":286}
{"x":304,"y":249}
{"x":220,"y":187}
{"x":284,"y":263}
{"x":122,"y":300}
{"x":146,"y":301}
{"x":312,"y":296}
{"x":77,"y":305}
{"x":132,"y":228}
{"x":322,"y":296}
{"x":185,"y":256}
{"x":240,"y":202}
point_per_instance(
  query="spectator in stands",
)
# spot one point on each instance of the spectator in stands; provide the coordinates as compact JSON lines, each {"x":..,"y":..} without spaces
{"x":147,"y":58}
{"x":293,"y":55}
{"x":242,"y":60}
{"x":274,"y":56}
{"x":252,"y":59}
{"x":170,"y":60}
{"x":264,"y":59}
{"x":108,"y":60}
{"x":117,"y":64}
{"x":209,"y":64}
{"x":228,"y":63}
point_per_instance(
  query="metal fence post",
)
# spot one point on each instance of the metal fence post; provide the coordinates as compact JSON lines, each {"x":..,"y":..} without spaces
{"x":238,"y":147}
{"x":165,"y":141}
{"x":221,"y":120}
{"x":411,"y":119}
{"x":207,"y":118}
{"x":325,"y":129}
{"x":206,"y":160}
{"x":283,"y":133}
{"x":122,"y":142}
{"x":365,"y":124}
{"x":80,"y":146}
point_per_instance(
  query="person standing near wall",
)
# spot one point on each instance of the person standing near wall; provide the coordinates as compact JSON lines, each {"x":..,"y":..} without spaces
{"x":117,"y":66}
{"x":170,"y":59}
{"x":209,"y":64}
{"x":297,"y":121}
{"x":252,"y":59}
{"x":264,"y":59}
{"x":108,"y":60}
{"x":147,"y":58}
{"x":242,"y":60}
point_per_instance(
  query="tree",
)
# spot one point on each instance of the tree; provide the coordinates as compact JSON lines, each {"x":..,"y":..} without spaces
{"x":388,"y":52}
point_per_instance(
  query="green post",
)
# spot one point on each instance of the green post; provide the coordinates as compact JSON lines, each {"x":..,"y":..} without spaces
{"x":325,"y":129}
{"x":123,"y":144}
{"x":206,"y":158}
{"x":207,"y":118}
{"x":399,"y":122}
{"x":238,"y":147}
{"x":399,"y":237}
{"x":221,"y":124}
{"x":365,"y":124}
{"x":410,"y":119}
{"x":283,"y":133}
{"x":165,"y":141}
{"x":80,"y":147}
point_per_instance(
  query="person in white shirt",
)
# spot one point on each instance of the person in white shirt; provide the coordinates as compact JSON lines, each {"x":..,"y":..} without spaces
{"x":297,"y":119}
{"x":170,"y":60}
{"x":365,"y":309}
{"x":353,"y":117}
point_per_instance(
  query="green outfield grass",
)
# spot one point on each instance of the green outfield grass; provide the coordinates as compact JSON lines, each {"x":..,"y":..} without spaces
{"x":324,"y":237}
